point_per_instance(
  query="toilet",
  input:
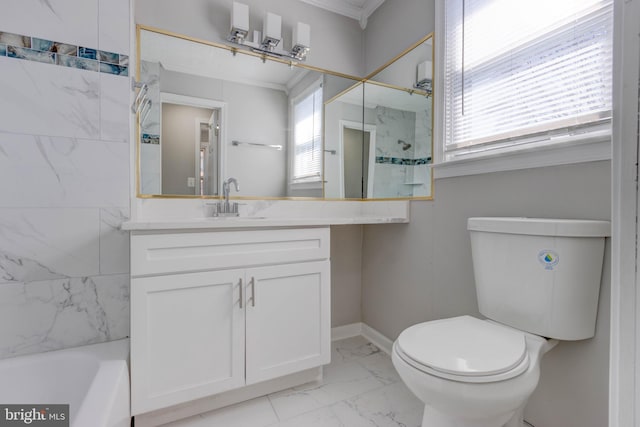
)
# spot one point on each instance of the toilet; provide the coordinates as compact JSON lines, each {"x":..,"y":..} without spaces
{"x":537,"y":283}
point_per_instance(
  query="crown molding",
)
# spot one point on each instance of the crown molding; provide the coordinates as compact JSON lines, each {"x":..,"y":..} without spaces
{"x":351,"y":10}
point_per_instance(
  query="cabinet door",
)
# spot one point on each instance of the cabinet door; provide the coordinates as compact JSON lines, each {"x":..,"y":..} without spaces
{"x":288,"y":319}
{"x":187,"y":337}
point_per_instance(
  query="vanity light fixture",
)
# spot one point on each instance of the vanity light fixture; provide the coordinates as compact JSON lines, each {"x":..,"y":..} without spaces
{"x":239,"y":23}
{"x":268,"y":42}
{"x":424,"y":77}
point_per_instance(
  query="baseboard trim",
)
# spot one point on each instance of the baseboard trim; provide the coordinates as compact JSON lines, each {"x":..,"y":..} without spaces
{"x":357,"y":329}
{"x":346,"y":331}
{"x":382,"y":342}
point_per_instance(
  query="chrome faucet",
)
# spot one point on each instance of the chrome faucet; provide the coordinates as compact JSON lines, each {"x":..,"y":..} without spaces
{"x":225,"y":208}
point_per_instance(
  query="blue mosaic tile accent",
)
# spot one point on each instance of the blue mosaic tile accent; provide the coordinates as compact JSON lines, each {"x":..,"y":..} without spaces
{"x":51,"y":46}
{"x":401,"y":161}
{"x":148,"y":138}
{"x":40,"y":44}
{"x":114,"y":69}
{"x":63,"y":54}
{"x":109,"y":57}
{"x":80,"y":63}
{"x":31,"y":55}
{"x":16,"y":40}
{"x":85,"y":52}
{"x":423,"y":161}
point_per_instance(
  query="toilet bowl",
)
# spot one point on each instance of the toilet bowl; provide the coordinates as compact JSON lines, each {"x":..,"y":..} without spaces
{"x":469,"y":372}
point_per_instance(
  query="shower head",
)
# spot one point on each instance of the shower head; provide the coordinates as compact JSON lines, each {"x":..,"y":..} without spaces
{"x":405,"y":146}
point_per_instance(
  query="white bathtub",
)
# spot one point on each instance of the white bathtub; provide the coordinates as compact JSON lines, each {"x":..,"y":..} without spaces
{"x":93,"y":380}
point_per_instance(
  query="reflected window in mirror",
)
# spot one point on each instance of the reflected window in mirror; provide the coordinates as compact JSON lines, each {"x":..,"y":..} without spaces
{"x":307,"y":137}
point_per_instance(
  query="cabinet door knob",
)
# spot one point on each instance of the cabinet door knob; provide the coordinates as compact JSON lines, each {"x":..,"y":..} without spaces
{"x":253,"y":292}
{"x":241,"y":298}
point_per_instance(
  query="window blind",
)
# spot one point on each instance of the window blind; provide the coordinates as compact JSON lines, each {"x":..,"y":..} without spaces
{"x":307,"y":114}
{"x":519,"y":72}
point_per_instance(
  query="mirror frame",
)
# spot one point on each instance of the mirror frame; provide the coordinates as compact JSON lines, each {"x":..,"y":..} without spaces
{"x":291,"y":63}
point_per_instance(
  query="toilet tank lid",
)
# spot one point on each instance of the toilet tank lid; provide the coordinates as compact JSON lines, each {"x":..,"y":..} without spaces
{"x":541,"y":226}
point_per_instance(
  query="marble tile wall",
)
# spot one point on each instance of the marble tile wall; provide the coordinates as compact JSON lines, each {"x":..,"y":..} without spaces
{"x":64,"y":180}
{"x":393,"y":164}
{"x":398,"y":172}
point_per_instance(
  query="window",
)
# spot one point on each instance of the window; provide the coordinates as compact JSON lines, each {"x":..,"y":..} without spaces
{"x":307,"y":136}
{"x":526,"y":73}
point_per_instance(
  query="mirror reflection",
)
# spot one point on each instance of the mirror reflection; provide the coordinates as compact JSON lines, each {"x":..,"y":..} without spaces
{"x":387,"y":121}
{"x":215,"y":114}
{"x":280,"y":129}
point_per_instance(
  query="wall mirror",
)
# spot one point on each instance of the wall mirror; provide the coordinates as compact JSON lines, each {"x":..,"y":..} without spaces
{"x":209,"y":114}
{"x":378,"y":133}
{"x":281,"y":129}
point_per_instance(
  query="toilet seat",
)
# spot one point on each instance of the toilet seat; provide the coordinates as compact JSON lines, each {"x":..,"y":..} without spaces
{"x":464,"y":349}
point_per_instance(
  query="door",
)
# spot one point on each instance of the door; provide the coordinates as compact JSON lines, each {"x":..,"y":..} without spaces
{"x":213,"y":153}
{"x":187,"y":337}
{"x":288,"y":319}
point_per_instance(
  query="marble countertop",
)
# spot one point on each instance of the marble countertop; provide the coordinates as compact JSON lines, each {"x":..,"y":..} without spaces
{"x":194,"y":214}
{"x":253,"y":222}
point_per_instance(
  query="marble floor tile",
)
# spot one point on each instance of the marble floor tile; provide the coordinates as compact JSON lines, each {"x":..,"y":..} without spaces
{"x":380,"y":367}
{"x":391,"y":406}
{"x":322,"y":417}
{"x":351,"y":348}
{"x":340,"y":381}
{"x":252,"y":413}
{"x":360,"y":388}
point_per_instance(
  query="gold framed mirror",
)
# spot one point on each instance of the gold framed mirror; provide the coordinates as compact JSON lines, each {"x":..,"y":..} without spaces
{"x":208,"y":112}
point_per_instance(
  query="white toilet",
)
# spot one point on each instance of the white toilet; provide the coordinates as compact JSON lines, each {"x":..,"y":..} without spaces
{"x":538,"y":280}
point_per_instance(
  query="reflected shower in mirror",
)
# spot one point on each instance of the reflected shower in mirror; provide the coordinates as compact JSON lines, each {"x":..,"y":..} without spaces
{"x":387,"y":120}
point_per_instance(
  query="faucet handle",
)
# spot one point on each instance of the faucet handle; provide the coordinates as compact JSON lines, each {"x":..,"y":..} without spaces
{"x":215,"y":208}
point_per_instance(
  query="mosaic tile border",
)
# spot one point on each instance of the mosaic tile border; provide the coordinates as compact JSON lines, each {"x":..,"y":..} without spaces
{"x":401,"y":161}
{"x":148,"y":138}
{"x":63,"y":54}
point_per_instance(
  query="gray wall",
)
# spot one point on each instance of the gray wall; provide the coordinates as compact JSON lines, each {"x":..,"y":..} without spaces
{"x":395,"y":26}
{"x":336,"y":41}
{"x":346,"y":274}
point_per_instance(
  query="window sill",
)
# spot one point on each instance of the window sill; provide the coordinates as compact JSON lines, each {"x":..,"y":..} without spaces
{"x":311,"y":185}
{"x":590,"y":150}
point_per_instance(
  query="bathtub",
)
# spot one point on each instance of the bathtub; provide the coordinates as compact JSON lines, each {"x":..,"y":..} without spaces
{"x":93,"y":380}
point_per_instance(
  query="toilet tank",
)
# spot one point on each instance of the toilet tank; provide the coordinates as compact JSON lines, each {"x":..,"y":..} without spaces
{"x":539,"y":275}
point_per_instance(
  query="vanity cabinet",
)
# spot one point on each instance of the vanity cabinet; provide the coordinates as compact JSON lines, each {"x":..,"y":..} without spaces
{"x":216,"y":311}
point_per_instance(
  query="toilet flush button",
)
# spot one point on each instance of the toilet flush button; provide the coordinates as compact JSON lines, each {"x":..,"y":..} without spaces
{"x":548,"y":258}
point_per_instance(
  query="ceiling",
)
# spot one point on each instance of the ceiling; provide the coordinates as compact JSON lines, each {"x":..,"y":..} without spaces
{"x":359,"y":10}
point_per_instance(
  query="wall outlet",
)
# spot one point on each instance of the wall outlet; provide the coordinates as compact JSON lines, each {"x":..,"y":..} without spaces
{"x":191,"y":182}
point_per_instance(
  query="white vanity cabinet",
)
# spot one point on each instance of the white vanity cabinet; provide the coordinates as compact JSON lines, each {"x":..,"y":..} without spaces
{"x":214,"y":311}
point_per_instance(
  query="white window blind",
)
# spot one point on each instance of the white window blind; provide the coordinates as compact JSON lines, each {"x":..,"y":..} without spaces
{"x":307,"y":119}
{"x":521,"y":73}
